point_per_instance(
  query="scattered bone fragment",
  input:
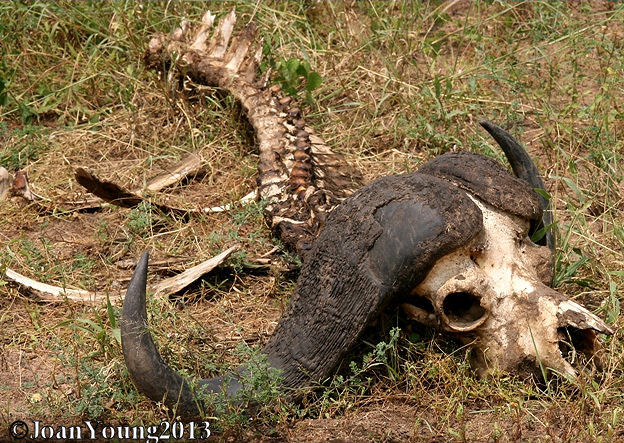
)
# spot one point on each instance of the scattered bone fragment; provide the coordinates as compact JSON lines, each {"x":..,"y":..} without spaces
{"x":82,"y":204}
{"x":184,"y":279}
{"x":104,"y":190}
{"x":113,"y":193}
{"x":21,"y":187}
{"x":420,"y":315}
{"x":107,"y":190}
{"x":188,"y":166}
{"x":6,"y":180}
{"x":51,"y":293}
{"x":228,"y":206}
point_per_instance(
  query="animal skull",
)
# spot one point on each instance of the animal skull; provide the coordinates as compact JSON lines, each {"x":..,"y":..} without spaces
{"x":454,"y":236}
{"x":493,"y":293}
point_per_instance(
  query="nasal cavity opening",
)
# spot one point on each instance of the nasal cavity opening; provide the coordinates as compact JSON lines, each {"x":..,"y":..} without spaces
{"x":463,"y":310}
{"x":576,"y":345}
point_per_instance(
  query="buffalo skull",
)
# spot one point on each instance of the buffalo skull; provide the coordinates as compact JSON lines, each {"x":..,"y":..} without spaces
{"x":451,"y":242}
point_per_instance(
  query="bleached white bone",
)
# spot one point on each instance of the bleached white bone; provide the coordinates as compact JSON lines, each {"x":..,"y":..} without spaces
{"x":223,"y":34}
{"x":203,"y":33}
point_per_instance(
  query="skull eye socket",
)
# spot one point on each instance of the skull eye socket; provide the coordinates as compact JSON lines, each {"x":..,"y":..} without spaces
{"x":463,"y":311}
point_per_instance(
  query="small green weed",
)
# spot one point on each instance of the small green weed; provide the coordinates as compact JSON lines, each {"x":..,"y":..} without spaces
{"x":293,"y":75}
{"x":141,"y":219}
{"x":252,"y":211}
{"x":343,"y":391}
{"x":260,"y":389}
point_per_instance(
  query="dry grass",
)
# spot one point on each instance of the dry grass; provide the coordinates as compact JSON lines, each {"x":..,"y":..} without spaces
{"x":402,"y":82}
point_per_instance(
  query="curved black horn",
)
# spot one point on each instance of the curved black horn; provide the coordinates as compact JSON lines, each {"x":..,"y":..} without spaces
{"x":150,"y":374}
{"x":525,"y":169}
{"x":380,"y":242}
